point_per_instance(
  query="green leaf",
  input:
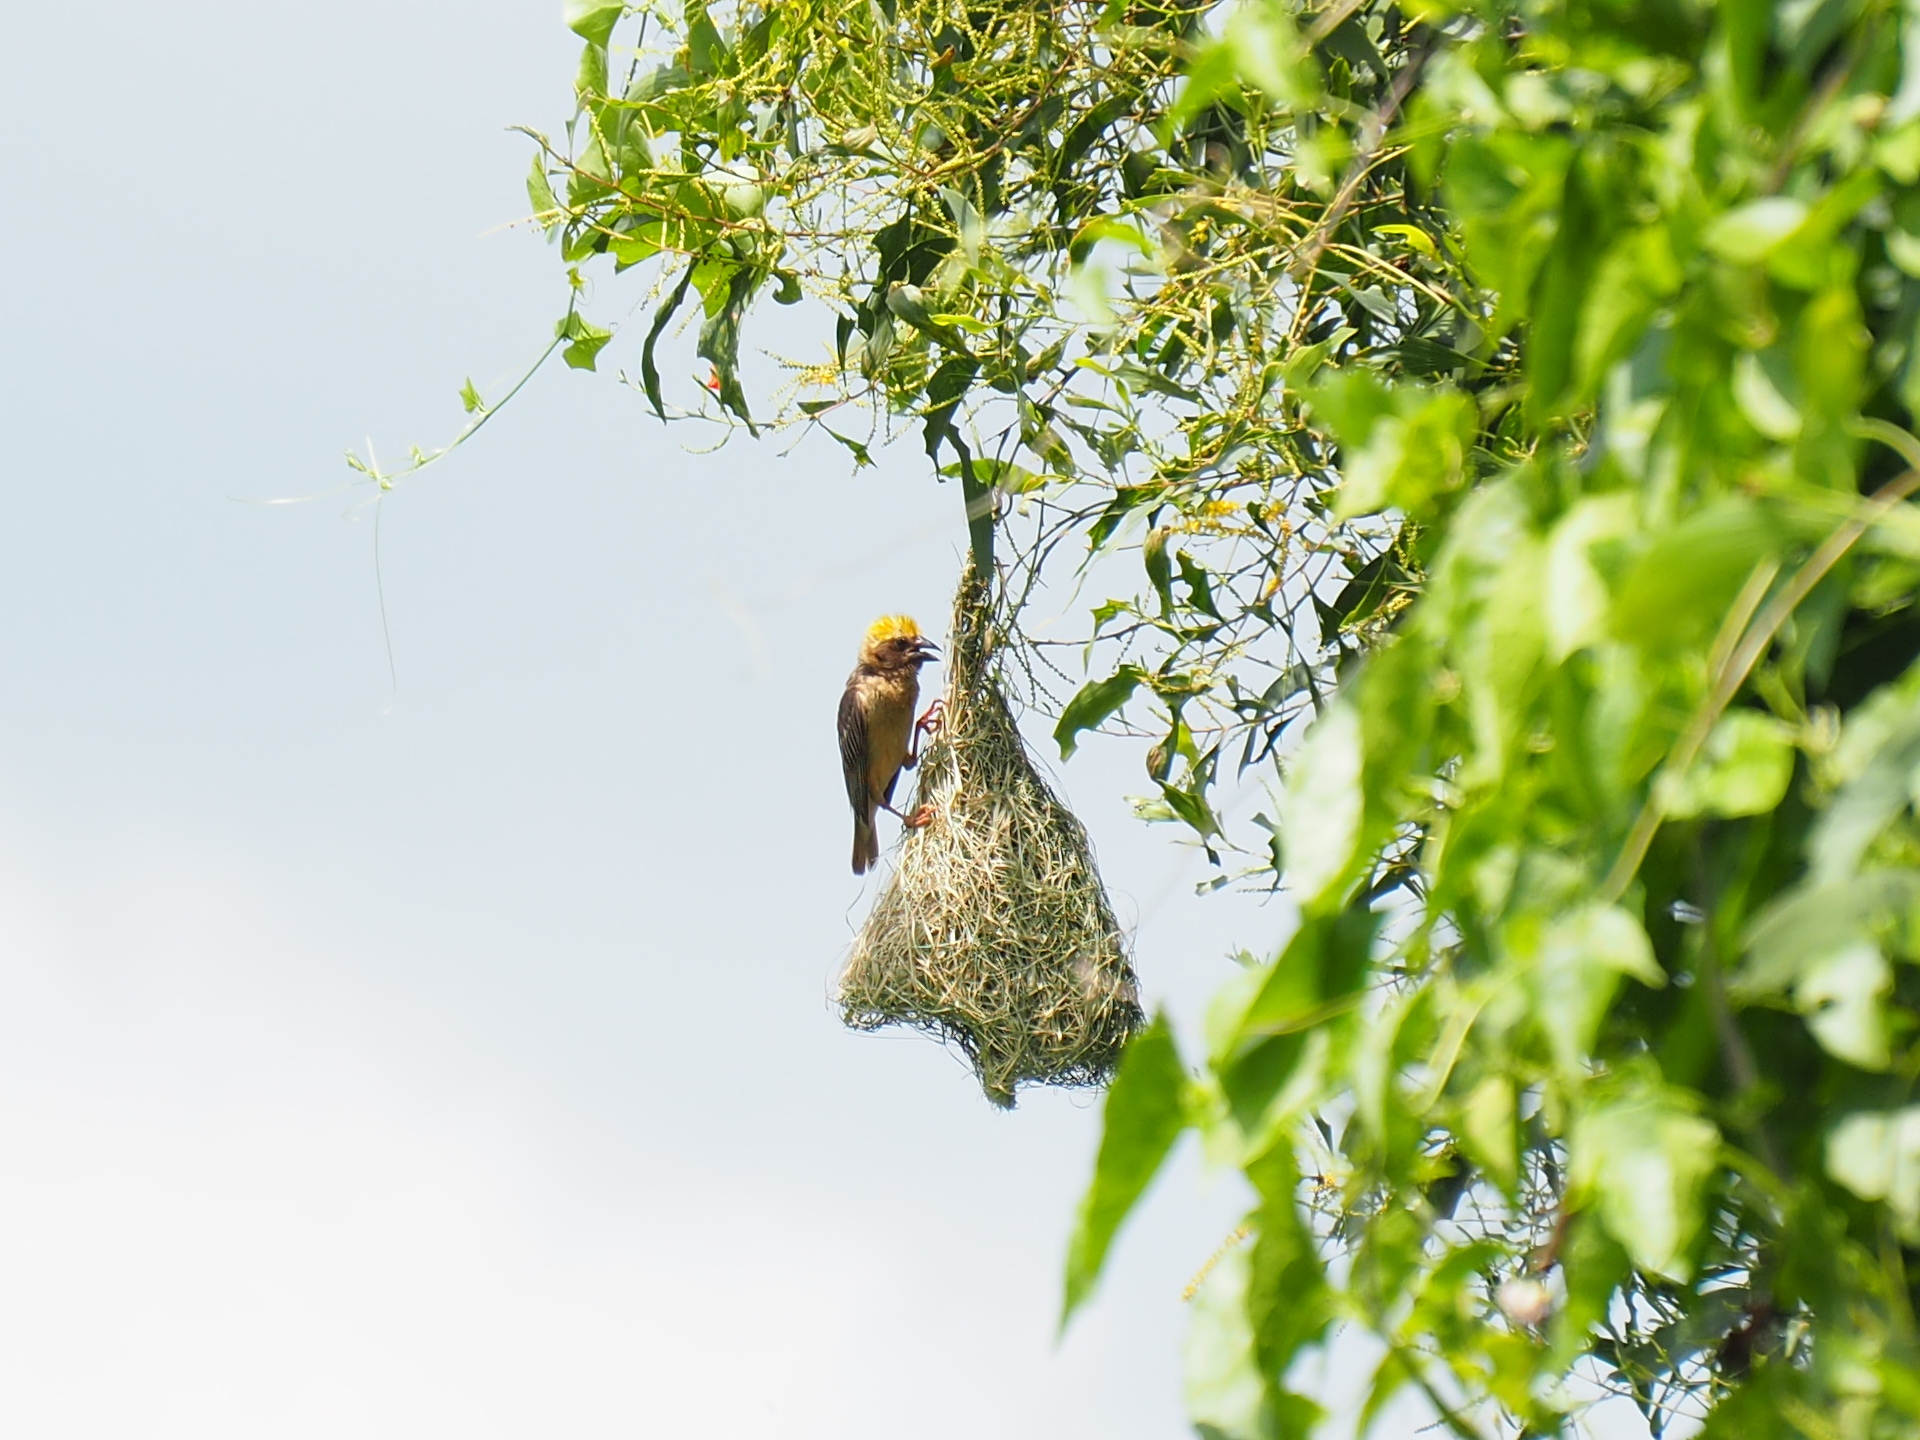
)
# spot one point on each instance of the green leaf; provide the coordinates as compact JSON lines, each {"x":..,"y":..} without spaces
{"x":1843,"y":995}
{"x":1413,"y":237}
{"x":1399,"y":447}
{"x":1752,"y":232}
{"x":1595,"y":1267}
{"x":1199,"y":585}
{"x":1192,"y":809}
{"x":1145,"y":1113}
{"x":1761,"y":386}
{"x":1490,"y":1130}
{"x":1266,"y":49}
{"x":1094,"y":705}
{"x":1506,"y":191}
{"x":1743,"y":769}
{"x":1642,"y":1153}
{"x":944,"y":392}
{"x":1006,"y":475}
{"x":1813,"y":921}
{"x":1583,"y":953}
{"x":642,"y":243}
{"x":1159,"y":565}
{"x":470,"y":400}
{"x":720,"y":340}
{"x":1876,"y":1155}
{"x":908,"y":303}
{"x":1679,"y":591}
{"x":862,"y":457}
{"x":585,"y":340}
{"x":1879,"y":758}
{"x":649,"y":371}
{"x":1227,"y":1395}
{"x":1321,"y":809}
{"x":1109,"y":227}
{"x":590,"y":80}
{"x":1260,"y":1035}
{"x":1288,"y":1300}
{"x":1638,"y":274}
{"x":1577,"y":600}
{"x":593,"y":20}
{"x":539,"y":192}
{"x":1560,"y":296}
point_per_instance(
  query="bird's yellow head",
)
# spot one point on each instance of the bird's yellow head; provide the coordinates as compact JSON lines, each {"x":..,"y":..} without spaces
{"x":894,"y":642}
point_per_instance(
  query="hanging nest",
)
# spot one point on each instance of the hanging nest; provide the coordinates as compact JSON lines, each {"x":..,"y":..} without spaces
{"x":993,"y":931}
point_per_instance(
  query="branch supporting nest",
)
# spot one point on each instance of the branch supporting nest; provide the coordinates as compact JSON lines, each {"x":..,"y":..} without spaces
{"x":994,"y":932}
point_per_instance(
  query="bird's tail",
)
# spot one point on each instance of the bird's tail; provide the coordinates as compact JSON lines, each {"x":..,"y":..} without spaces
{"x":866,"y":845}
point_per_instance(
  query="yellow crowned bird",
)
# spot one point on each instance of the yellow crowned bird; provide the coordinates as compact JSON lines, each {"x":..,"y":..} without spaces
{"x":877,"y":727}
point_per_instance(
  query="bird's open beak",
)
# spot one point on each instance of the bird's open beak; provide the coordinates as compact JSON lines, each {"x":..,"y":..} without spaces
{"x":926,"y":649}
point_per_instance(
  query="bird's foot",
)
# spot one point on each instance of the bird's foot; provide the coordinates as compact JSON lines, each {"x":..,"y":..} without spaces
{"x":931,"y":723}
{"x":919,"y":819}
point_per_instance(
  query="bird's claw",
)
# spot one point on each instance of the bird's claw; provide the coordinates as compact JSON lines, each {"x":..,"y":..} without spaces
{"x":919,"y":819}
{"x":931,"y":723}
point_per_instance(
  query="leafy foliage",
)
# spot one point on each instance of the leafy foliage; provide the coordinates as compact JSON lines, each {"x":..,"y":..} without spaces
{"x":1511,"y":408}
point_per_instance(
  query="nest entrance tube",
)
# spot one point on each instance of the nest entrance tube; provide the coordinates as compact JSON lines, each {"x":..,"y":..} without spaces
{"x":994,"y":932}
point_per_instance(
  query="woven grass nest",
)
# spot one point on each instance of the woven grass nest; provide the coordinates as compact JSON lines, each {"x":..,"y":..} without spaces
{"x":994,"y":932}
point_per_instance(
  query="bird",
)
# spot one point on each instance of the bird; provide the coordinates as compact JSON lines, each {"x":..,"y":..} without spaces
{"x":877,"y":726}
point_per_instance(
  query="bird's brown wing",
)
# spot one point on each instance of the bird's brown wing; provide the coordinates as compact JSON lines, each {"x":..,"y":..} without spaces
{"x":853,"y":750}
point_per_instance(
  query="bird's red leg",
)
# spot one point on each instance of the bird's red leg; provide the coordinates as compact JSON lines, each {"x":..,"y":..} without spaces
{"x":929,"y":724}
{"x":919,"y":819}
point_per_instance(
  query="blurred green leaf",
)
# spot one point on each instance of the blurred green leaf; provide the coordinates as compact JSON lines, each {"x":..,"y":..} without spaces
{"x":1265,"y":48}
{"x":1227,"y":1396}
{"x":1583,"y":954}
{"x":1320,"y":815}
{"x":1679,"y":591}
{"x":1114,"y":228}
{"x":1876,"y":1155}
{"x":861,"y":455}
{"x":1806,"y":923}
{"x":1577,"y":600}
{"x":1880,"y":753}
{"x":1753,"y":231}
{"x":1400,"y":447}
{"x":1145,"y":1113}
{"x":1642,"y":1153}
{"x":1743,"y":769}
{"x":1490,"y":1130}
{"x":593,"y":20}
{"x":1843,"y":996}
